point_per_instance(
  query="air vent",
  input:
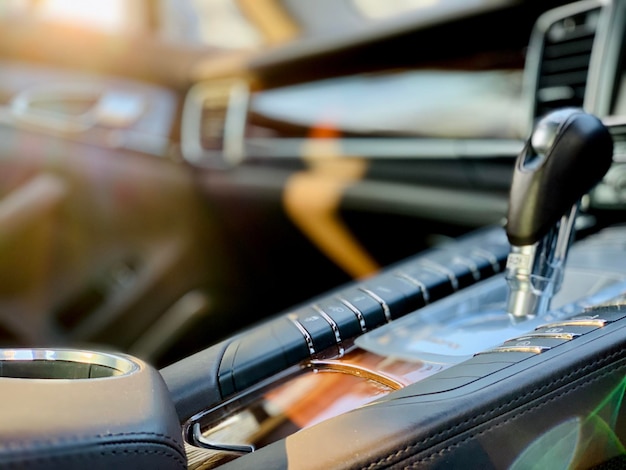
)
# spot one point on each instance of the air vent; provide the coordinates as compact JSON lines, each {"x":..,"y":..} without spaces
{"x":618,"y":132}
{"x":564,"y":63}
{"x":214,"y":123}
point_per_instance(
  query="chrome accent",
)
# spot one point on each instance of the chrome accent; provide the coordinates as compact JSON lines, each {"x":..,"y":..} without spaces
{"x":237,"y":96}
{"x":421,"y":285}
{"x":597,"y":322}
{"x":333,"y":326}
{"x":117,"y":363}
{"x":198,"y":440}
{"x":563,"y":335}
{"x":355,"y":370}
{"x":493,"y":260}
{"x":382,"y":303}
{"x":473,"y":267}
{"x":535,"y":272}
{"x":356,"y":311}
{"x":409,"y":148}
{"x":528,"y":349}
{"x":305,"y":333}
{"x":433,"y":266}
{"x":605,"y":58}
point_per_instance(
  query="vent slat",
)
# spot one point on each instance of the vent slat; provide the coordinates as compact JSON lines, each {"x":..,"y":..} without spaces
{"x":567,"y":78}
{"x":575,"y":63}
{"x":565,"y":61}
{"x":564,"y":49}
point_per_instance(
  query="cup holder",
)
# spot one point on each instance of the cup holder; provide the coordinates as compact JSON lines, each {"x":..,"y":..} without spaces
{"x":62,"y":364}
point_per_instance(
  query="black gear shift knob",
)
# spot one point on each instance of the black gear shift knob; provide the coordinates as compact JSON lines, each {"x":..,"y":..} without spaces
{"x":568,"y":154}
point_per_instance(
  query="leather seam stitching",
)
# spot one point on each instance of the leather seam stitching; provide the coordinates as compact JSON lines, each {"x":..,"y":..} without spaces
{"x":512,"y":418}
{"x":494,"y":412}
{"x":85,"y":440}
{"x":103,"y":453}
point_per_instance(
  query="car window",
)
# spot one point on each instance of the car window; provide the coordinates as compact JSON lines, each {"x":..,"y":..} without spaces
{"x":218,"y":23}
{"x":106,"y":15}
{"x":425,"y":102}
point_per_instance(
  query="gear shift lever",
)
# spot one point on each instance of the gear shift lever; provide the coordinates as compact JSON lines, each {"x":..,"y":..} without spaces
{"x":568,"y":153}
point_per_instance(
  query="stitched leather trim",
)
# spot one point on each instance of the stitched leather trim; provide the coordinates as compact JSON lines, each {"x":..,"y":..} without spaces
{"x":495,"y":412}
{"x":70,"y":449}
{"x":57,"y":459}
{"x":32,"y":443}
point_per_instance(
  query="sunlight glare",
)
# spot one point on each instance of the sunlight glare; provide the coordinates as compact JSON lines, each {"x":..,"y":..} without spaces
{"x":103,"y":14}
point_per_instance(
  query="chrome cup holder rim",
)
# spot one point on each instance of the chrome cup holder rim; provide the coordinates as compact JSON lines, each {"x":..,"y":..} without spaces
{"x":117,"y":362}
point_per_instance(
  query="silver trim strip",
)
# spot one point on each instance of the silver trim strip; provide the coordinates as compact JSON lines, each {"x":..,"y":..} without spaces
{"x":433,"y":266}
{"x":356,"y":311}
{"x":564,"y":335}
{"x":416,"y":282}
{"x":333,"y":326}
{"x":493,"y":260}
{"x":305,"y":333}
{"x":236,"y":109}
{"x":382,"y":303}
{"x":355,"y":370}
{"x":597,"y":322}
{"x":119,"y":363}
{"x":459,"y":259}
{"x":198,"y":440}
{"x":528,"y":349}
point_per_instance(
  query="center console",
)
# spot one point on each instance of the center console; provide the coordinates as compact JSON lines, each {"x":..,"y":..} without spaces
{"x":445,"y":322}
{"x":502,"y":349}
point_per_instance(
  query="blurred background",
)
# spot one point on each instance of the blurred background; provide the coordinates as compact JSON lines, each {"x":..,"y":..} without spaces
{"x":173,"y":171}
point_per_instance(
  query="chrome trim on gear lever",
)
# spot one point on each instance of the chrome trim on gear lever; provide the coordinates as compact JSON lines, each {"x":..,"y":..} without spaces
{"x":535,"y":272}
{"x":568,"y":153}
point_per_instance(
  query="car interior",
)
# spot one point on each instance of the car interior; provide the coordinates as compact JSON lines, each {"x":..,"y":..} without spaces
{"x":314,"y":235}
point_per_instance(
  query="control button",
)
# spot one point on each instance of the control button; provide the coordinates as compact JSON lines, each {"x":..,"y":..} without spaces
{"x":263,"y":352}
{"x":462,"y":270}
{"x":588,"y":321}
{"x":479,"y":266}
{"x":573,"y":331}
{"x":307,"y":337}
{"x":317,"y":326}
{"x":397,"y":294}
{"x":420,"y":285}
{"x":333,"y":326}
{"x":346,"y":319}
{"x":383,"y":304}
{"x":515,"y":349}
{"x":609,"y":313}
{"x":499,"y":250}
{"x":443,"y":269}
{"x":437,"y":283}
{"x":371,"y":310}
{"x":492,"y":260}
{"x":531,"y":340}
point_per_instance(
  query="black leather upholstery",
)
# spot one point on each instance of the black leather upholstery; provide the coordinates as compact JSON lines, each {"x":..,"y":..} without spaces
{"x":557,"y":408}
{"x":123,"y":422}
